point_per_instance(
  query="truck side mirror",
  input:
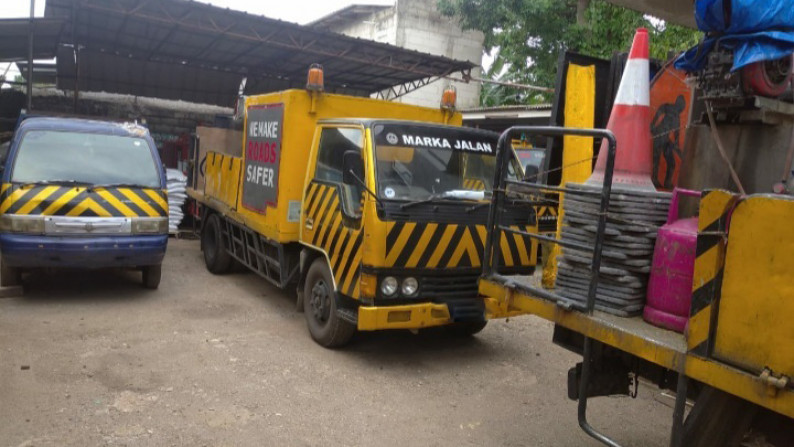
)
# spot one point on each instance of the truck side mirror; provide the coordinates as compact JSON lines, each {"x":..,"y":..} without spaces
{"x":531,"y":174}
{"x":352,"y":166}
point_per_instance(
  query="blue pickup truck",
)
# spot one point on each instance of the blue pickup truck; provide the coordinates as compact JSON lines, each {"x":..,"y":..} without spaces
{"x":83,"y":194}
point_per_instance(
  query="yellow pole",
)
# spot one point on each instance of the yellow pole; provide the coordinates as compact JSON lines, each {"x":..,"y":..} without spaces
{"x":577,"y":152}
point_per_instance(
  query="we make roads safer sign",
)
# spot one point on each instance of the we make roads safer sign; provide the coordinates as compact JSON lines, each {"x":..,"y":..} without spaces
{"x":262,"y":156}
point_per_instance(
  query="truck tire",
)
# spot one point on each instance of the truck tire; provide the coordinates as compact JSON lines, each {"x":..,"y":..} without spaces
{"x":9,"y":276}
{"x":717,"y":419}
{"x":151,"y":275}
{"x":466,"y":328}
{"x":319,"y":307}
{"x":216,"y":258}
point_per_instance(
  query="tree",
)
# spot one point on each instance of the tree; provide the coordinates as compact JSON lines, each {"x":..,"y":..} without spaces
{"x":526,"y":37}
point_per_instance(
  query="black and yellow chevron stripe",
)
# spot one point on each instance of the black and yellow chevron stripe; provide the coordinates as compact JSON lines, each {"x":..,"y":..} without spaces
{"x":437,"y":245}
{"x":547,"y":219}
{"x":715,"y":208}
{"x":408,"y":244}
{"x":52,"y":200}
{"x":340,"y":240}
{"x":473,"y":184}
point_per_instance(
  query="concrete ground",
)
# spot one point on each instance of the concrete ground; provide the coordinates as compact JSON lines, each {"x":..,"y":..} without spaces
{"x":91,"y":358}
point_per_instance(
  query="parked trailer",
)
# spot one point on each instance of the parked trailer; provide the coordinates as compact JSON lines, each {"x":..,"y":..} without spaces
{"x":377,"y":220}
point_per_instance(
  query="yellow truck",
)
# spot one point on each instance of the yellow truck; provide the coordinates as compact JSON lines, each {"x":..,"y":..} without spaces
{"x":735,"y":360}
{"x":374,"y":210}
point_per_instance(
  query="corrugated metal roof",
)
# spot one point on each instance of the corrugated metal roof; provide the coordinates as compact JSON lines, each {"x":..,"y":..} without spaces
{"x":188,"y":50}
{"x":14,"y":38}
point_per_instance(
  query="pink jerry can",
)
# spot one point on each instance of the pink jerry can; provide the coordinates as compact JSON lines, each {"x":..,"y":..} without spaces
{"x":670,"y":283}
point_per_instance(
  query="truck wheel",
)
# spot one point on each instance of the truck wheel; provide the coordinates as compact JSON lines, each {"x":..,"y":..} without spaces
{"x":319,"y":307}
{"x":718,"y":418}
{"x":217,"y":259}
{"x":9,"y":276}
{"x":151,"y":276}
{"x":466,"y":328}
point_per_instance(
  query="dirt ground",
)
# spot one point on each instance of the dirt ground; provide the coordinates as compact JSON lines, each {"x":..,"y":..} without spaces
{"x":91,"y":358}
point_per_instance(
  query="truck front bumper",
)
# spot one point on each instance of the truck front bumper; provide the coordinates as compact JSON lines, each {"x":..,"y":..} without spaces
{"x":28,"y":251}
{"x":409,"y":316}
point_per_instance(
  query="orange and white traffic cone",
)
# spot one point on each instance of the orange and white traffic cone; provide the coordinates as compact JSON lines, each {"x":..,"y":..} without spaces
{"x":630,"y":121}
{"x":636,"y":209}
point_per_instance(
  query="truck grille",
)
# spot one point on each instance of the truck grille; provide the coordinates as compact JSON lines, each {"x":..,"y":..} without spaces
{"x":446,"y":286}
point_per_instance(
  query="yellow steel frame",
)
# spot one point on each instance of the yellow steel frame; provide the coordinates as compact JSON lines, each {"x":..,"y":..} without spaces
{"x":410,"y":316}
{"x":631,"y":335}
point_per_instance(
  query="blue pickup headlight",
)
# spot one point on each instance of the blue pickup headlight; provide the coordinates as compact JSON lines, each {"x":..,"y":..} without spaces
{"x":149,"y":225}
{"x":13,"y":223}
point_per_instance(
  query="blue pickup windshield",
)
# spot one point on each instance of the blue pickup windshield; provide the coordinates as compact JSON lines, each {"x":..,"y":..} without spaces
{"x":49,"y":155}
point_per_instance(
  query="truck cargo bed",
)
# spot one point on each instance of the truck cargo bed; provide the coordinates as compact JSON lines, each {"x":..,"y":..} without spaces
{"x":633,"y":335}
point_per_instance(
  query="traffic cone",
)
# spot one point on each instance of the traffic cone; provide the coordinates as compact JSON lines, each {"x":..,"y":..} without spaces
{"x":630,"y":121}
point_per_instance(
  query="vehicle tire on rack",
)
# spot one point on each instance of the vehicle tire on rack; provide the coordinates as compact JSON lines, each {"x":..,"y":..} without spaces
{"x":768,"y":78}
{"x":216,"y":258}
{"x":466,"y":328}
{"x":9,"y":276}
{"x":151,"y":275}
{"x":319,"y":307}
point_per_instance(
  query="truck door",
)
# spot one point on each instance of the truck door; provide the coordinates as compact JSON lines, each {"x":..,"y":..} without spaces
{"x":331,"y":217}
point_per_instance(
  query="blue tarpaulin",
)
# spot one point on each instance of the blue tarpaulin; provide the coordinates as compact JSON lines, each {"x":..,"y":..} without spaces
{"x":756,"y":30}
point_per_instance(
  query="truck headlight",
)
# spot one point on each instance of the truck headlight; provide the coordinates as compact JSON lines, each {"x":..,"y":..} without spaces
{"x":389,"y":286}
{"x":12,"y":223}
{"x":157,"y":225}
{"x":410,"y":286}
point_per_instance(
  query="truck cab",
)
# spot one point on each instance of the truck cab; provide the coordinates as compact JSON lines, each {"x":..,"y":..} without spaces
{"x":393,"y":225}
{"x":82,"y":194}
{"x":374,"y":210}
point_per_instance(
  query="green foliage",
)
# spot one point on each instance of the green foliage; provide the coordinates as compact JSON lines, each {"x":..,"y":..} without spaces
{"x":526,"y":38}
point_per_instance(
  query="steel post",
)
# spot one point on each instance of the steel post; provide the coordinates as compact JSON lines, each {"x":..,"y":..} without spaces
{"x":30,"y":56}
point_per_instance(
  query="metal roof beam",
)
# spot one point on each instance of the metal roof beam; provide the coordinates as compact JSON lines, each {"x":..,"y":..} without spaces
{"x":270,"y":41}
{"x":396,"y":91}
{"x":215,"y":40}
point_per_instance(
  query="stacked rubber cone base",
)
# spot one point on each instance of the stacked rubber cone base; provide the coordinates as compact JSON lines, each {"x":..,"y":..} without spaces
{"x":633,"y":219}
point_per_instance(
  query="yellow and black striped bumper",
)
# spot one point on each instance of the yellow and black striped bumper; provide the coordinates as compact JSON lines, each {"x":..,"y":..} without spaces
{"x":52,"y":200}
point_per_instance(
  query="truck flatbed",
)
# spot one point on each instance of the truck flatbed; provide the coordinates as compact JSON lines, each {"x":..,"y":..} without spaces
{"x":633,"y":335}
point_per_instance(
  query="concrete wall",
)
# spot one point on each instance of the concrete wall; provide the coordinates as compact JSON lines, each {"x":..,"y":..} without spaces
{"x":417,"y":25}
{"x":757,"y":152}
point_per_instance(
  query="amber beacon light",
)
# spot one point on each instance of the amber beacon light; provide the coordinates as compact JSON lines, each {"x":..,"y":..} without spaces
{"x":449,"y":97}
{"x":314,"y":81}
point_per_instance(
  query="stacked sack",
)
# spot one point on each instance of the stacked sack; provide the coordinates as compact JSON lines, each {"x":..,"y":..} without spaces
{"x":176,"y":182}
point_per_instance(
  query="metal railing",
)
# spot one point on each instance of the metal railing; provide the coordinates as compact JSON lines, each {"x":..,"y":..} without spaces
{"x":496,"y":229}
{"x":492,"y":257}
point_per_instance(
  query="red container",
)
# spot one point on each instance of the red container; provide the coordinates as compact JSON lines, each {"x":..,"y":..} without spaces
{"x":670,"y":282}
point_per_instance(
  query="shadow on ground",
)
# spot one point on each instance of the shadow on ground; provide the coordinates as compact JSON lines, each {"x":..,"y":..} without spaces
{"x":81,"y":286}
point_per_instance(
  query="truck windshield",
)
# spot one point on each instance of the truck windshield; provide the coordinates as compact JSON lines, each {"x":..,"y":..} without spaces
{"x":531,"y":157}
{"x":420,"y":162}
{"x":90,"y":158}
